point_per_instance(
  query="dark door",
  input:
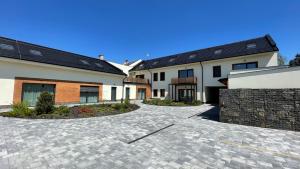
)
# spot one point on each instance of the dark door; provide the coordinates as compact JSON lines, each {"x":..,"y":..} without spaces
{"x":113,"y":93}
{"x":127,"y":93}
{"x":186,"y":95}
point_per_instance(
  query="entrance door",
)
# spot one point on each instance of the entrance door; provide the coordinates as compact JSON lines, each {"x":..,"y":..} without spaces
{"x":113,"y":93}
{"x":141,"y":94}
{"x":127,"y":93}
{"x":186,"y":95}
{"x":32,"y":91}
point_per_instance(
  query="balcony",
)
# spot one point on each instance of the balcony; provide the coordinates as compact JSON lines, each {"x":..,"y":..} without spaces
{"x":188,"y":80}
{"x":136,"y":80}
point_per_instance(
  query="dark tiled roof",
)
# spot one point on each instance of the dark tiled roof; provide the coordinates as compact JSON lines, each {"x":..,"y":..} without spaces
{"x":14,"y":49}
{"x":263,"y":44}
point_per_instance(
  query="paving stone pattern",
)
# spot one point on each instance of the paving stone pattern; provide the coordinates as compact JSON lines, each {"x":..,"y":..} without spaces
{"x":272,"y":108}
{"x":102,"y":142}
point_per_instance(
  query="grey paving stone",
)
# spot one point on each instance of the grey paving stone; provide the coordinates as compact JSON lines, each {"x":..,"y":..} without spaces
{"x":102,"y":142}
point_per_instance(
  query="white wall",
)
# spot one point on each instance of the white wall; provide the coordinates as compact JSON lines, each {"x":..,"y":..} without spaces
{"x":264,"y":60}
{"x":132,"y":94}
{"x":10,"y":68}
{"x":271,"y":79}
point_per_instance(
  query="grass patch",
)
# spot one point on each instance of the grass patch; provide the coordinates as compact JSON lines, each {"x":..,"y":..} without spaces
{"x":168,"y":102}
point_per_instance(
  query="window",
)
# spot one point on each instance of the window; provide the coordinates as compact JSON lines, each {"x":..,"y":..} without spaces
{"x":89,"y":94}
{"x":6,"y":47}
{"x":172,"y":60}
{"x":155,"y":76}
{"x":217,"y":71}
{"x":35,"y":52}
{"x":140,"y":76}
{"x":154,"y":63}
{"x":162,"y":76}
{"x":192,"y":56}
{"x":155,"y":93}
{"x":251,"y":45}
{"x":250,"y":65}
{"x":185,"y":73}
{"x":84,"y":62}
{"x":219,"y":51}
{"x":99,"y":65}
{"x":162,"y":92}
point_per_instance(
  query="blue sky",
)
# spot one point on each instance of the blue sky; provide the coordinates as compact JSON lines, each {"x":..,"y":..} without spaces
{"x":129,"y":29}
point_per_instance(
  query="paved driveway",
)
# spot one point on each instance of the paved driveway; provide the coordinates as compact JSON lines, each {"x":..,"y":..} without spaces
{"x":102,"y":142}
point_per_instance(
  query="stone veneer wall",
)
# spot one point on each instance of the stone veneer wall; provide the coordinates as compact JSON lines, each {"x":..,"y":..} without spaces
{"x":271,"y":108}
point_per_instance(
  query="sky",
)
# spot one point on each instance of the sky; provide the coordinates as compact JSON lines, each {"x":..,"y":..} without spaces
{"x":134,"y":29}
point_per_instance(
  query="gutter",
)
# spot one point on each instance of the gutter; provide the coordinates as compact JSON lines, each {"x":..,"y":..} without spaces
{"x":201,"y":81}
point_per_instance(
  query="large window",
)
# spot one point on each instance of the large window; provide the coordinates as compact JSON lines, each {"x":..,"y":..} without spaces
{"x":89,"y":94}
{"x":185,"y":73}
{"x":162,"y":76}
{"x":155,"y":76}
{"x":249,"y":65}
{"x":31,"y":91}
{"x":162,"y":92}
{"x":155,"y":93}
{"x":217,"y":71}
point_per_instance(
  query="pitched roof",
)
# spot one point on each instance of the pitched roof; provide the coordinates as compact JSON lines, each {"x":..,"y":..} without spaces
{"x":255,"y":46}
{"x":14,"y":49}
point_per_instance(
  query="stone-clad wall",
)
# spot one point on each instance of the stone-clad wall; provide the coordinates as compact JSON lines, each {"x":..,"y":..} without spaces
{"x":271,"y":108}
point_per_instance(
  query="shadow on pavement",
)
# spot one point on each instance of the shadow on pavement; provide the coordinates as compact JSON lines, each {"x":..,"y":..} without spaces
{"x":212,"y":114}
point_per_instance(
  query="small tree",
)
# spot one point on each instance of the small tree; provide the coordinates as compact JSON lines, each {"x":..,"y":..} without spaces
{"x":45,"y":103}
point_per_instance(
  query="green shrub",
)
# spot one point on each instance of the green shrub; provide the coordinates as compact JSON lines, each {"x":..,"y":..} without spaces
{"x":62,"y":110}
{"x":45,"y":103}
{"x":20,"y":110}
{"x":127,"y":102}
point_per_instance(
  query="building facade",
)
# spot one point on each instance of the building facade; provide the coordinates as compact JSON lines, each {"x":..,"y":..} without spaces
{"x":198,"y":75}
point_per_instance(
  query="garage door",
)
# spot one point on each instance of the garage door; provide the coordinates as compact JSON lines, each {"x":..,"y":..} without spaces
{"x":31,"y":92}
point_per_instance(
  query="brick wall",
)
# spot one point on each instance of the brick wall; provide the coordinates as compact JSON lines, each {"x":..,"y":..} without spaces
{"x":271,"y":108}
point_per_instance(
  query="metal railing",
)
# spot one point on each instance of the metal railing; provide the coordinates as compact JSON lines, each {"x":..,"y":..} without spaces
{"x":187,"y":80}
{"x":136,"y":80}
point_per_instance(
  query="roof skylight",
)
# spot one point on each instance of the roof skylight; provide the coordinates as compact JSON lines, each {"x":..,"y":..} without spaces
{"x":84,"y":62}
{"x":219,"y":51}
{"x":192,"y":56}
{"x":6,"y":46}
{"x":99,"y":65}
{"x":154,"y":63}
{"x":141,"y":65}
{"x":35,"y":52}
{"x":172,"y":60}
{"x":251,"y":45}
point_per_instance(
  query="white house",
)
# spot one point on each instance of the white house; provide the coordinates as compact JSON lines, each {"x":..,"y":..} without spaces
{"x":198,"y":75}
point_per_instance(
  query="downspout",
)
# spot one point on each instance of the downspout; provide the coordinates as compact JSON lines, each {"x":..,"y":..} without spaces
{"x":123,"y":85}
{"x":201,"y":81}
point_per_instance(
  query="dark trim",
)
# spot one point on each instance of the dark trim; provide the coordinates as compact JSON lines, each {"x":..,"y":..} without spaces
{"x":246,"y":63}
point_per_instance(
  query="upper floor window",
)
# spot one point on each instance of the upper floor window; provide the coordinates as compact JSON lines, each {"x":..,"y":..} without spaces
{"x":140,"y":76}
{"x":217,"y":71}
{"x":162,"y":76}
{"x":155,"y":76}
{"x":185,"y":73}
{"x":249,"y":65}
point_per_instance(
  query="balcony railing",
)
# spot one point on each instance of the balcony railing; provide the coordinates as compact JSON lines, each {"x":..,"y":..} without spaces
{"x":187,"y":80}
{"x":136,"y":80}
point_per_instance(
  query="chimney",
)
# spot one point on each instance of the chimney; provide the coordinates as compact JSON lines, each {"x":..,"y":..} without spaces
{"x":101,"y":57}
{"x":126,"y":62}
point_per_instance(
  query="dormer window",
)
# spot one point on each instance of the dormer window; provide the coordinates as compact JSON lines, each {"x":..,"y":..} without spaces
{"x":251,"y":46}
{"x":6,"y":47}
{"x":35,"y":52}
{"x":217,"y":52}
{"x":84,"y":62}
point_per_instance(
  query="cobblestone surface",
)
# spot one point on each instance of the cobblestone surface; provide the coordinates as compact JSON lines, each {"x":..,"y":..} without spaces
{"x":102,"y":142}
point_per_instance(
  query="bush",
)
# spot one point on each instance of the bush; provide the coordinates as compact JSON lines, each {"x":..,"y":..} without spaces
{"x":62,"y":110}
{"x":19,"y":110}
{"x":127,"y":102}
{"x":169,"y":102}
{"x":45,"y":103}
{"x":83,"y":111}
